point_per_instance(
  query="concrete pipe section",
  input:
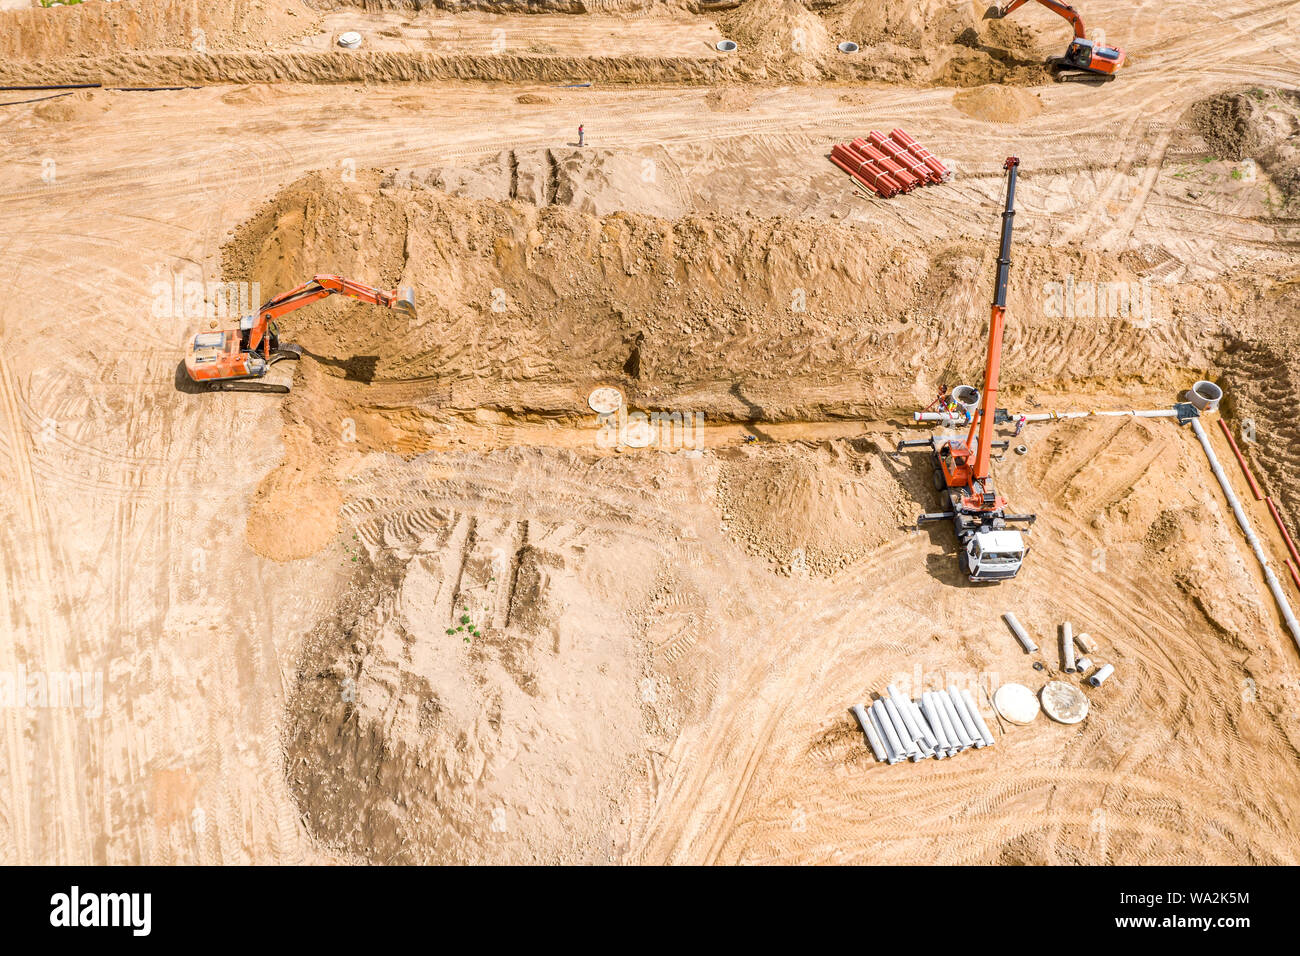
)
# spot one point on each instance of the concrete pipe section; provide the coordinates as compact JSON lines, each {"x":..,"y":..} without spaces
{"x":1021,"y":636}
{"x":350,"y":40}
{"x":967,"y":396}
{"x":726,"y":46}
{"x":1104,"y":672}
{"x":848,"y":46}
{"x":1205,"y":396}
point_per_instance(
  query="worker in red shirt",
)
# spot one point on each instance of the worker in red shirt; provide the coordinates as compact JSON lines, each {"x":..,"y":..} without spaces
{"x":579,"y":134}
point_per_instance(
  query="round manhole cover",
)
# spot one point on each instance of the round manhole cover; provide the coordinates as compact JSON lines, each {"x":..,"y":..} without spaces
{"x":1016,"y":703}
{"x":638,"y":434}
{"x":1064,"y":702}
{"x":605,"y":400}
{"x":351,"y":39}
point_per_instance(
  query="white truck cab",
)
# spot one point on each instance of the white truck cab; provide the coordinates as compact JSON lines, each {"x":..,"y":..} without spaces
{"x":994,"y":555}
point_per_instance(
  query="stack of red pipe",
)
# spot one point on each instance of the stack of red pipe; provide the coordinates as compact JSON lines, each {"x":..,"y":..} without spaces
{"x":888,"y":165}
{"x":938,"y":172}
{"x":864,"y":169}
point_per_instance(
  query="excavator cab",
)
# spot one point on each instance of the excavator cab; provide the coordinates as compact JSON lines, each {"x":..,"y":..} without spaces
{"x":1092,"y":57}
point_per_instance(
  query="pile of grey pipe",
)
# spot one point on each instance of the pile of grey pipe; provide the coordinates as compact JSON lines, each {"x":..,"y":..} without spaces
{"x":1071,"y":662}
{"x":940,"y":724}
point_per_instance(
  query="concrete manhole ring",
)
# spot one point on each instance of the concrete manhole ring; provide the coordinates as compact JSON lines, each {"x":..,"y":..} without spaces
{"x":726,"y":46}
{"x":1063,"y":702}
{"x":1016,"y":703}
{"x":605,"y":400}
{"x":350,"y":40}
{"x":848,"y":46}
{"x":1022,"y":449}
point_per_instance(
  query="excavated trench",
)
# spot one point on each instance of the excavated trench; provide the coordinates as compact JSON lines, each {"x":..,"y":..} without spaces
{"x":166,"y":42}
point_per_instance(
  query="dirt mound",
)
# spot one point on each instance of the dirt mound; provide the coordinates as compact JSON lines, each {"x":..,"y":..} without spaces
{"x":1257,"y":124}
{"x":597,"y":182}
{"x":782,"y":36}
{"x":998,"y":104}
{"x":475,"y":696}
{"x":532,"y":99}
{"x":86,"y":28}
{"x":811,"y":509}
{"x":77,"y":108}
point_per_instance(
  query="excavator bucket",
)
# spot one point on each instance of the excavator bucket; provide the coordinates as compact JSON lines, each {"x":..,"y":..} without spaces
{"x":406,"y":300}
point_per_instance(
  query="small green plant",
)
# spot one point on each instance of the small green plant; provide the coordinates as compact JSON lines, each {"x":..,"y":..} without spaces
{"x":465,"y":625}
{"x":1235,"y":174}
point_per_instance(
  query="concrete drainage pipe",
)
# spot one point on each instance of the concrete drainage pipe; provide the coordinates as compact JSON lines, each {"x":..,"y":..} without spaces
{"x":1205,"y":396}
{"x":726,"y":46}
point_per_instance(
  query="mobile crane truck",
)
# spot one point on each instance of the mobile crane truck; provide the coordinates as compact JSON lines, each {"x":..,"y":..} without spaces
{"x":988,"y":550}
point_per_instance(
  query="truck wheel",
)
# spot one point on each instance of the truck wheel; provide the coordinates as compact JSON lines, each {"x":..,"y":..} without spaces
{"x":939,"y":483}
{"x":963,"y":561}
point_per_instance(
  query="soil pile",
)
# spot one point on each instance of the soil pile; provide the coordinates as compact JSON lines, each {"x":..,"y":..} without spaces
{"x":998,"y":104}
{"x":811,"y":508}
{"x":597,"y":182}
{"x":88,"y":28}
{"x":474,"y":697}
{"x":1259,"y":124}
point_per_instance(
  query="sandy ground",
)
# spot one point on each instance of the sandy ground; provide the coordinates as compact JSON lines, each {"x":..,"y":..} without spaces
{"x":661,"y":645}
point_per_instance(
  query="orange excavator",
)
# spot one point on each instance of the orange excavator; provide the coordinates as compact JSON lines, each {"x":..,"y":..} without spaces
{"x":1082,"y":54}
{"x":989,"y":550}
{"x":237,"y":359}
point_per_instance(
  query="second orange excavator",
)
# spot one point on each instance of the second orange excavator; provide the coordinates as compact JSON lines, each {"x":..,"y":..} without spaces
{"x":237,"y":359}
{"x":1082,"y":55}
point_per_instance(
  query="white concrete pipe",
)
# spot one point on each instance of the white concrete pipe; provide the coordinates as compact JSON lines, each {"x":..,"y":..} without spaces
{"x":1205,"y":396}
{"x":1056,"y":416}
{"x":1099,"y":678}
{"x":954,"y":718}
{"x":896,"y":751}
{"x":979,"y":719}
{"x":901,"y":704}
{"x":1084,"y":665}
{"x":947,"y":419}
{"x":948,"y":729}
{"x":967,"y":721}
{"x":932,"y":715}
{"x":1084,"y":643}
{"x":909,"y":745}
{"x":1269,"y":577}
{"x":875,"y":714}
{"x":1021,"y":635}
{"x":930,"y":738}
{"x":1067,"y":647}
{"x":873,"y":739}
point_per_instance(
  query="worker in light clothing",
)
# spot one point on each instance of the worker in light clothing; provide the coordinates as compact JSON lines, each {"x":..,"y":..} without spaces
{"x":579,"y":134}
{"x":1020,"y":424}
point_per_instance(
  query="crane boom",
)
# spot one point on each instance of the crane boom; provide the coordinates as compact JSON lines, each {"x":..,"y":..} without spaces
{"x":988,"y":404}
{"x":988,"y":549}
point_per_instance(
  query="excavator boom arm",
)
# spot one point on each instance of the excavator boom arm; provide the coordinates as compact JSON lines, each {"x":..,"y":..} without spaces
{"x":1060,"y":9}
{"x":319,"y":287}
